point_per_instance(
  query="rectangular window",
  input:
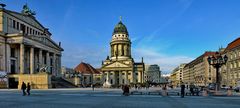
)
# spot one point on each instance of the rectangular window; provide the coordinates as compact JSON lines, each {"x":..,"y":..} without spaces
{"x":12,"y":52}
{"x":27,"y":30}
{"x":14,"y":24}
{"x":17,"y":26}
{"x":30,"y":31}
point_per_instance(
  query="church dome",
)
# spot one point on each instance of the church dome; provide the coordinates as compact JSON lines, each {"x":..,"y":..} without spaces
{"x":120,"y":28}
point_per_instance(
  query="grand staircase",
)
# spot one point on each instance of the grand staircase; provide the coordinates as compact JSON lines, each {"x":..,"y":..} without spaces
{"x":58,"y":82}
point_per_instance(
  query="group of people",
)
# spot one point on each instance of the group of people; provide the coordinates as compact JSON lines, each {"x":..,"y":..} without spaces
{"x":25,"y":88}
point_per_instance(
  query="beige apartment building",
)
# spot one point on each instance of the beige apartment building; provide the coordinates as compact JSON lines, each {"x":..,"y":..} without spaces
{"x":27,"y":51}
{"x":199,"y":72}
{"x":230,"y":73}
{"x":177,"y":75}
{"x":120,"y":68}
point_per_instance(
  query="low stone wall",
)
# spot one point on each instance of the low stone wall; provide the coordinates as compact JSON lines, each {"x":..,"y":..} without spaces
{"x":75,"y":81}
{"x":3,"y":84}
{"x":37,"y":81}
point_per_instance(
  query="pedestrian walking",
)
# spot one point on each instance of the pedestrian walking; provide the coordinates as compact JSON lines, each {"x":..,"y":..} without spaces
{"x":28,"y":88}
{"x":93,"y":87}
{"x":191,"y":90}
{"x":182,"y":90}
{"x":23,"y":88}
{"x":126,"y":90}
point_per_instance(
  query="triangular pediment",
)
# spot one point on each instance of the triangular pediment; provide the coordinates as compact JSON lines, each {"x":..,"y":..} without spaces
{"x":117,"y":64}
{"x":29,"y":19}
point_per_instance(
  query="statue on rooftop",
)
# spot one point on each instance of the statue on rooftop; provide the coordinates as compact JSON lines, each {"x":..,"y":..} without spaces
{"x":27,"y":11}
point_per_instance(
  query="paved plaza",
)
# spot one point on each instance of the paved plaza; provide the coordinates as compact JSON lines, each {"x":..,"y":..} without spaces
{"x":108,"y":98}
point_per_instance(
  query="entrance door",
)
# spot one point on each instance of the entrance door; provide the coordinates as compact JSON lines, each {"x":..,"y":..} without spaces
{"x":13,"y":66}
{"x":13,"y":83}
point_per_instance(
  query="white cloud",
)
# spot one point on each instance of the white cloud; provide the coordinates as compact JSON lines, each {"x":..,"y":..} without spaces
{"x":167,"y":63}
{"x":72,"y":56}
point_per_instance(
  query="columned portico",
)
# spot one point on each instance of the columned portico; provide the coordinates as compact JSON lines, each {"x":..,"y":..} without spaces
{"x":120,"y":60}
{"x":25,"y":47}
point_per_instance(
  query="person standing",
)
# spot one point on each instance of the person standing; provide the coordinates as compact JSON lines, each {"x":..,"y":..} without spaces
{"x":28,"y":89}
{"x":191,"y":90}
{"x":92,"y":87}
{"x":23,"y":88}
{"x":182,"y":90}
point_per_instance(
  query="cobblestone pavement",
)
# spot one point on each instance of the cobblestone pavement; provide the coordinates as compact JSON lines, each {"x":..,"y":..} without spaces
{"x":108,"y":98}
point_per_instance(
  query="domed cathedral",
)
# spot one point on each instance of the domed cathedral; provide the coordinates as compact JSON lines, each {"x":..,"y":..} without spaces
{"x":120,"y":68}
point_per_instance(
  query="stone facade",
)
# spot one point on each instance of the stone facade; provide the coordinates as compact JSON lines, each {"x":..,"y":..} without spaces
{"x":199,"y":72}
{"x":177,"y":75}
{"x":26,"y":49}
{"x":230,"y":73}
{"x":120,"y":68}
{"x":152,"y":73}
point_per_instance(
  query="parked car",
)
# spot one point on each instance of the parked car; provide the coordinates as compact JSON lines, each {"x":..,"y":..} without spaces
{"x":237,"y":89}
{"x":211,"y":86}
{"x":225,"y":88}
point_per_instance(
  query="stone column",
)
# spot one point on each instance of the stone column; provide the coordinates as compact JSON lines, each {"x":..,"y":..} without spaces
{"x":125,"y":50}
{"x":115,"y":50}
{"x":129,"y":50}
{"x":32,"y":60}
{"x":40,"y":59}
{"x":114,"y":78}
{"x":7,"y":59}
{"x":120,"y":77}
{"x":22,"y":62}
{"x":126,"y":77}
{"x":132,"y":75}
{"x":139,"y":77}
{"x":54,"y":65}
{"x":112,"y":51}
{"x":59,"y":66}
{"x":47,"y":62}
{"x":119,"y":49}
{"x":108,"y":77}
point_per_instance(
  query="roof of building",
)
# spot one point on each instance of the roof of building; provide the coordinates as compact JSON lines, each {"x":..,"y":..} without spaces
{"x":233,"y":44}
{"x":29,"y":19}
{"x":120,"y":28}
{"x":86,"y":68}
{"x":200,"y":58}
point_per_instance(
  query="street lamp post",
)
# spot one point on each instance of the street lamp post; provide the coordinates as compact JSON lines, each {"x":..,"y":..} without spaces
{"x":217,"y":61}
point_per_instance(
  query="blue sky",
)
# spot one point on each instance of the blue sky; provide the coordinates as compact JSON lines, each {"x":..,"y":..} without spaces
{"x":164,"y":32}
